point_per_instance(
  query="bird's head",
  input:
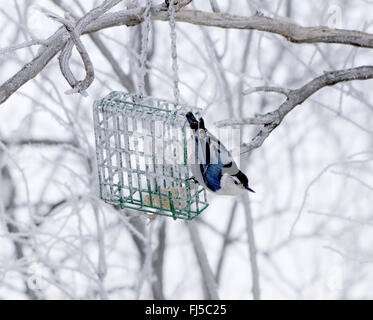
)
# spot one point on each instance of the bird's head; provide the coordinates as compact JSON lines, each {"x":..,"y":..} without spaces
{"x":235,"y":184}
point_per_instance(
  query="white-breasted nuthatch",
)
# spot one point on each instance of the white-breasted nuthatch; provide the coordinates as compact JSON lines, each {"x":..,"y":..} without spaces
{"x":212,"y":164}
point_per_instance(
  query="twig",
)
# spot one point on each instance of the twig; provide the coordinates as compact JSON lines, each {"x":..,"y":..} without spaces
{"x":101,"y":265}
{"x":296,"y":97}
{"x":352,"y":177}
{"x":26,"y":44}
{"x":38,"y":142}
{"x":214,"y":6}
{"x":348,"y":219}
{"x":346,"y":256}
{"x":252,"y":248}
{"x":206,"y":272}
{"x":226,"y":242}
{"x":7,"y":182}
{"x":280,"y":90}
{"x":259,"y":120}
{"x":158,"y":262}
{"x":314,"y":180}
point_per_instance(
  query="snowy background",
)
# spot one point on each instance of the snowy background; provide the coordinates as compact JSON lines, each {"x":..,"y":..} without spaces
{"x":311,"y":214}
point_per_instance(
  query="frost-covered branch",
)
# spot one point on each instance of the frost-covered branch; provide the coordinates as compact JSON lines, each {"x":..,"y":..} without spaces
{"x":280,"y":90}
{"x":271,"y":120}
{"x":124,"y":78}
{"x":75,"y":31}
{"x":289,"y":30}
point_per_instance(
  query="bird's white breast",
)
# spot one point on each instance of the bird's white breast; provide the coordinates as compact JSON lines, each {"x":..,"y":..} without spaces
{"x":228,"y":187}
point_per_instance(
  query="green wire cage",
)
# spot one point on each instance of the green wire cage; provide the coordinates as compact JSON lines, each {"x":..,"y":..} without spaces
{"x":142,"y":147}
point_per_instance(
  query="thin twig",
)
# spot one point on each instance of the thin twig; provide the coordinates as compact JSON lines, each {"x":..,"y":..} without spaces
{"x":280,"y":90}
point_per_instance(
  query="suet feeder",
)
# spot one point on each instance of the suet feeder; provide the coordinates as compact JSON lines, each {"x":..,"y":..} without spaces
{"x":142,"y":156}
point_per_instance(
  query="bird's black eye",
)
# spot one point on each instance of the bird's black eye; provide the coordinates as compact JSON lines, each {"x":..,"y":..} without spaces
{"x":235,"y":182}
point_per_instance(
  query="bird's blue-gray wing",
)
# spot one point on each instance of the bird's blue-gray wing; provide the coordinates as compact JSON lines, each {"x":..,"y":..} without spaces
{"x":208,"y":158}
{"x":221,"y":156}
{"x":211,"y":160}
{"x":212,"y":175}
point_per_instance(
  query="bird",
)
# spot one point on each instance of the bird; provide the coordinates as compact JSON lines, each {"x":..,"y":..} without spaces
{"x":212,"y":164}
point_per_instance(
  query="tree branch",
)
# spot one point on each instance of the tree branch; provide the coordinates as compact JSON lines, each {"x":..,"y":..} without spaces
{"x":75,"y":31}
{"x":37,"y":142}
{"x":207,"y":275}
{"x":226,"y":242}
{"x":252,"y":248}
{"x":7,"y":182}
{"x":280,"y":90}
{"x":271,"y":120}
{"x":292,"y":32}
{"x":125,"y":79}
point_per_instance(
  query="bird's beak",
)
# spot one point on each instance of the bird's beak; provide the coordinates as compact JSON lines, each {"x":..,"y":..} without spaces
{"x":251,"y":190}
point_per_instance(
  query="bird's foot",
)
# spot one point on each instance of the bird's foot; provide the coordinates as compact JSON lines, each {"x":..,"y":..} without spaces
{"x":193,"y":179}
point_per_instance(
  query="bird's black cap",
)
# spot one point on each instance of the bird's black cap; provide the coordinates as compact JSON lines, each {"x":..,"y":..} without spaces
{"x":194,"y":123}
{"x":242,"y":177}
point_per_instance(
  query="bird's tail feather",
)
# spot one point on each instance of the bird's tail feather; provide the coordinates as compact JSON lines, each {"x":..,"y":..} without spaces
{"x":193,"y":122}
